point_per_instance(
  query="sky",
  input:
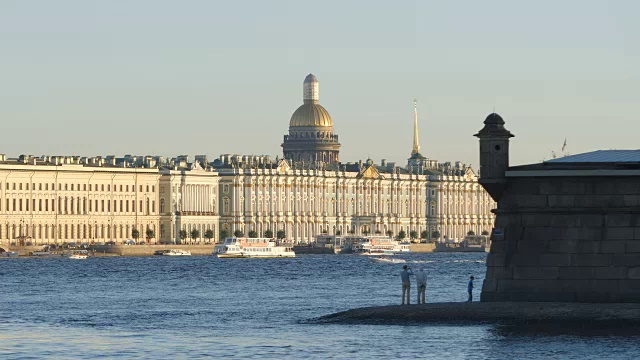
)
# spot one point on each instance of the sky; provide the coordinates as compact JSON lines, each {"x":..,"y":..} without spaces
{"x":215,"y":77}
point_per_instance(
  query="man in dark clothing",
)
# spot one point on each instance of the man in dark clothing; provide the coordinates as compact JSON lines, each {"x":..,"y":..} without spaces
{"x":470,"y":289}
{"x":406,"y":283}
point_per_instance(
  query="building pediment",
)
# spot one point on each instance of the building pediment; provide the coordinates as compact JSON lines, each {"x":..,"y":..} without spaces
{"x":370,"y":172}
{"x":283,"y":166}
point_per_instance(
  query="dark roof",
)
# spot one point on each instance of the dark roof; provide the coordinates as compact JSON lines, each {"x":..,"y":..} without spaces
{"x":601,"y":156}
{"x":494,"y":126}
{"x":594,"y":160}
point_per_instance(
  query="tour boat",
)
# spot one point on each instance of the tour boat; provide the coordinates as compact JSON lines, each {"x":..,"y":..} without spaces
{"x":78,"y":256}
{"x":380,"y":246}
{"x":177,"y":252}
{"x":234,"y":247}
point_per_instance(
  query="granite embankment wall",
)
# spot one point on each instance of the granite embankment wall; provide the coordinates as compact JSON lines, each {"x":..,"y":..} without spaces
{"x":148,"y":250}
{"x":422,"y":248}
{"x":566,"y":239}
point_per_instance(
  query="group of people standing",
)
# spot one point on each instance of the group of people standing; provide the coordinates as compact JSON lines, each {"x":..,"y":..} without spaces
{"x":421,"y":282}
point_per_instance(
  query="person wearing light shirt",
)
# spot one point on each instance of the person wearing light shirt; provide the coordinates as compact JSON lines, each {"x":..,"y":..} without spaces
{"x":421,"y":282}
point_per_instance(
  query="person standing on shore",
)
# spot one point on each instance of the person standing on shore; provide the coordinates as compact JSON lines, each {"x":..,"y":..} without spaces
{"x":470,"y":289}
{"x":421,"y":282}
{"x":406,"y":283}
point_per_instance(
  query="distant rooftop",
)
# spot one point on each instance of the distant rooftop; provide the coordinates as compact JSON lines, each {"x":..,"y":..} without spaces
{"x":601,"y":156}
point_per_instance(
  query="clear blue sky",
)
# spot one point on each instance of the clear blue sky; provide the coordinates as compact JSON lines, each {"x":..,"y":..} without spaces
{"x":209,"y":77}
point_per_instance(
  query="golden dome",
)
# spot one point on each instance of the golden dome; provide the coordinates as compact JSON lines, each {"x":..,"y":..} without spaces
{"x":311,"y":114}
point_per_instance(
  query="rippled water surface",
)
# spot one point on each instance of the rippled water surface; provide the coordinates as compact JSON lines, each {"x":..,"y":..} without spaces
{"x":201,"y":307}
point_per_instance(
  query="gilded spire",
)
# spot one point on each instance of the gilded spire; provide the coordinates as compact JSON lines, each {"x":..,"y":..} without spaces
{"x":416,"y":144}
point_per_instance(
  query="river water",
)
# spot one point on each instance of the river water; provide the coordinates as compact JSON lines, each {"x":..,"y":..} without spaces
{"x":203,"y":307}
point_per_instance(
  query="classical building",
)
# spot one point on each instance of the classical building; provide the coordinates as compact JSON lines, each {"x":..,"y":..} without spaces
{"x":188,"y":202}
{"x":310,"y":192}
{"x":73,"y":199}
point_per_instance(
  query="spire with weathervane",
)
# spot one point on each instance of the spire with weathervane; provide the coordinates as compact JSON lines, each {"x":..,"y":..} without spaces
{"x":416,"y":144}
{"x":417,"y":163}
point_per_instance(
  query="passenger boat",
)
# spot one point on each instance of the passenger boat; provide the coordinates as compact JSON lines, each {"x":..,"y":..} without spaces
{"x":234,"y":247}
{"x":9,"y":254}
{"x":378,"y":245}
{"x":78,"y":256}
{"x":177,"y":252}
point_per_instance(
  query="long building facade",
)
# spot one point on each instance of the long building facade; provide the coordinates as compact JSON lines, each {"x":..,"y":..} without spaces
{"x":58,"y":199}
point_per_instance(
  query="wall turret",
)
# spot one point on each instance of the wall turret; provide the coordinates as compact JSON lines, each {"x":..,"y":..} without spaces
{"x":494,"y":155}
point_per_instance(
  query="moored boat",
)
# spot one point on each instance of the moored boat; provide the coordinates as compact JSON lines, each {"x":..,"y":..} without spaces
{"x":234,"y":247}
{"x":462,"y":246}
{"x":177,"y":252}
{"x":10,"y":254}
{"x":78,"y":256}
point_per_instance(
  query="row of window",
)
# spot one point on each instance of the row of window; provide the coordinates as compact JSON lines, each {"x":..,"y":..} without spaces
{"x":77,"y":187}
{"x":71,"y":231}
{"x":77,"y":205}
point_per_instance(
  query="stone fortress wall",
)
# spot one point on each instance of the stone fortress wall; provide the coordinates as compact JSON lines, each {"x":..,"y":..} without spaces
{"x":566,"y":239}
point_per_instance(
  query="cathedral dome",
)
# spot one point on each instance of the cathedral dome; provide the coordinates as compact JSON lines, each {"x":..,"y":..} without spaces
{"x":310,"y":114}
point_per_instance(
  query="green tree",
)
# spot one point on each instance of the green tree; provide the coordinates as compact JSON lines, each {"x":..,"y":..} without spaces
{"x":413,"y":234}
{"x":268,"y":234}
{"x":424,"y":235}
{"x":194,"y":234}
{"x":208,"y":235}
{"x":238,"y":233}
{"x":338,"y":232}
{"x":485,"y":232}
{"x":470,"y":233}
{"x":281,"y":234}
{"x":365,"y":232}
{"x":253,"y":234}
{"x":135,"y":234}
{"x":183,"y":234}
{"x":435,"y":234}
{"x":389,"y":233}
{"x":223,"y":234}
{"x":150,"y":234}
{"x":402,"y":235}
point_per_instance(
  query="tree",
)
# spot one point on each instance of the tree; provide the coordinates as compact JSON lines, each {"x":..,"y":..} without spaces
{"x":435,"y":234}
{"x":413,"y":234}
{"x":253,"y":234}
{"x":338,"y":232}
{"x":238,"y":233}
{"x":224,"y":234}
{"x":268,"y":234}
{"x":424,"y":234}
{"x":365,"y":232}
{"x":470,"y":233}
{"x":194,"y":234}
{"x":389,"y":233}
{"x":485,"y":232}
{"x":208,"y":235}
{"x":281,"y":234}
{"x":402,"y":235}
{"x":183,"y":234}
{"x":150,"y":234}
{"x":135,"y":234}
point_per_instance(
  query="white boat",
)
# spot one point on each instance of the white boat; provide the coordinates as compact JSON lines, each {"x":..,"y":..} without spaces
{"x":9,"y":254}
{"x":387,"y":260}
{"x":379,"y":245}
{"x":78,"y":256}
{"x":177,"y":252}
{"x":234,"y":247}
